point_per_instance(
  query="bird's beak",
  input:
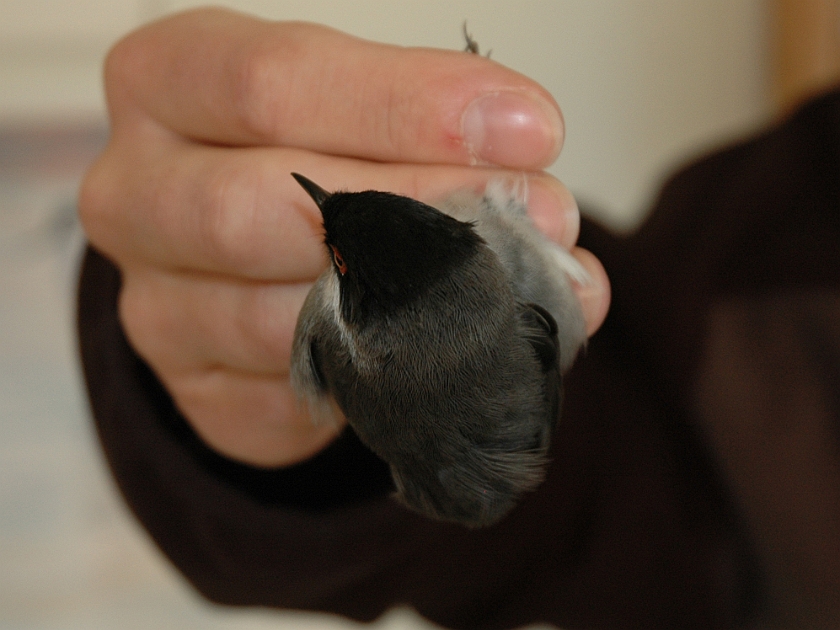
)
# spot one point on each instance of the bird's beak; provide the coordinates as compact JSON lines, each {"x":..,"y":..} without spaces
{"x":318,"y":194}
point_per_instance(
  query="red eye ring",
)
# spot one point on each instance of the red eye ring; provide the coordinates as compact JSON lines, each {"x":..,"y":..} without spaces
{"x":338,"y":260}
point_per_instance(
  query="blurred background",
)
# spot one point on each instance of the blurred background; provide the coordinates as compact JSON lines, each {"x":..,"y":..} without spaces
{"x":645,"y":85}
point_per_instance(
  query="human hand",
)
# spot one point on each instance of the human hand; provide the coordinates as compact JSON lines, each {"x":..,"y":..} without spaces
{"x":218,"y":245}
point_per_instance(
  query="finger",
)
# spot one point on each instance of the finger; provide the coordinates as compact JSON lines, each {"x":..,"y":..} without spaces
{"x":253,"y":419}
{"x":241,"y":213}
{"x":225,"y":78}
{"x":553,"y":209}
{"x":186,"y":322}
{"x":594,"y":296}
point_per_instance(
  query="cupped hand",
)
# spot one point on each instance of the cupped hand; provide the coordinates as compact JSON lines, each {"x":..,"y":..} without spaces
{"x":218,"y":245}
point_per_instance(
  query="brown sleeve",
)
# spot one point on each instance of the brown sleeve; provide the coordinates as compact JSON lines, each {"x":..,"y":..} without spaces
{"x":732,"y":290}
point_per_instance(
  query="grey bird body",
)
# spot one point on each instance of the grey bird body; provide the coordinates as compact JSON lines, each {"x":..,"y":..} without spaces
{"x":456,"y":382}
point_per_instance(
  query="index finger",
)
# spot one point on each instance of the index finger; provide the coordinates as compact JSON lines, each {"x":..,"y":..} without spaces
{"x":225,"y":78}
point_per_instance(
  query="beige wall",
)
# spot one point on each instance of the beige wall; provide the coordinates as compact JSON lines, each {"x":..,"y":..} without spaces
{"x":644,"y":84}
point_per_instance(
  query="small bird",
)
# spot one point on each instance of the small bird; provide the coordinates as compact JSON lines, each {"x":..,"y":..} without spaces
{"x":441,"y":335}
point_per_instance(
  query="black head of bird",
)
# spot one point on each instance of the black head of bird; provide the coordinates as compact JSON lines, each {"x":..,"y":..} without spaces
{"x":386,"y":248}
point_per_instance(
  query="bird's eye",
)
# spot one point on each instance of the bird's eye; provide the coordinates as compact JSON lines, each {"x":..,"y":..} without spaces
{"x":338,"y":260}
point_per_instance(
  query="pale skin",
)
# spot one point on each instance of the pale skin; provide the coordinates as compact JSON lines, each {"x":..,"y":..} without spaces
{"x":218,"y":245}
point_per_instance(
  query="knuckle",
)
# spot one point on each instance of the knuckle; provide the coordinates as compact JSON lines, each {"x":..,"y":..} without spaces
{"x":94,"y":199}
{"x":399,"y":130}
{"x":393,"y":124}
{"x":256,"y":103}
{"x":267,"y":321}
{"x":117,"y":61}
{"x":125,"y":62}
{"x":228,"y":224}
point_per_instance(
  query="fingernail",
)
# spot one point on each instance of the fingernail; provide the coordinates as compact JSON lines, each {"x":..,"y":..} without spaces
{"x":512,"y":129}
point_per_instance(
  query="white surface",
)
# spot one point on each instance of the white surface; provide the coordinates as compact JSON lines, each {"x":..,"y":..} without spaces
{"x":643,"y":83}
